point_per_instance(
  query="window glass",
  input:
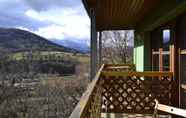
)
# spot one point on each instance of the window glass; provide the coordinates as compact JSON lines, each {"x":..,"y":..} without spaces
{"x":166,"y":39}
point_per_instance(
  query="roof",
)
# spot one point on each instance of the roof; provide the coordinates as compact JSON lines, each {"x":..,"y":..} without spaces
{"x":129,"y":14}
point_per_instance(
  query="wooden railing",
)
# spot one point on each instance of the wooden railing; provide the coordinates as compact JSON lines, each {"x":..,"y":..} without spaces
{"x":119,"y":67}
{"x":124,"y":92}
{"x":90,"y":103}
{"x":135,"y":92}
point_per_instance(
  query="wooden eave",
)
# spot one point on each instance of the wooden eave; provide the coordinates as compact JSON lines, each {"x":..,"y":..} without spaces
{"x":119,"y":14}
{"x":133,"y":14}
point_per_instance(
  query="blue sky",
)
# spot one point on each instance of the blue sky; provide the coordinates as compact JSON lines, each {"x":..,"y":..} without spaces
{"x":52,"y":19}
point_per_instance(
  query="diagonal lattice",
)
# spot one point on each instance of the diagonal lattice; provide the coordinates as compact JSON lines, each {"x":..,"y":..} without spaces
{"x":134,"y":94}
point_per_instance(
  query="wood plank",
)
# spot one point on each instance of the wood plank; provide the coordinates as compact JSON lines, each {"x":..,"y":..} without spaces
{"x":163,"y":53}
{"x":85,"y":99}
{"x":183,"y":86}
{"x":171,"y":110}
{"x":183,"y":52}
{"x":100,"y":49}
{"x":125,"y":115}
{"x":160,"y":59}
{"x":141,"y":74}
{"x":131,"y":65}
{"x":93,"y":45}
{"x":118,"y":14}
{"x":167,"y":10}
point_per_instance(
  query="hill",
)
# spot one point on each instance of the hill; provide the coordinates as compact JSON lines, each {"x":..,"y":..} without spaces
{"x":79,"y":45}
{"x":19,"y":40}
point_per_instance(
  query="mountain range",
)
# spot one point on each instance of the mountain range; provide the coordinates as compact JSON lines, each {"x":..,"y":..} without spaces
{"x":12,"y":39}
{"x":19,"y":40}
{"x":77,"y":44}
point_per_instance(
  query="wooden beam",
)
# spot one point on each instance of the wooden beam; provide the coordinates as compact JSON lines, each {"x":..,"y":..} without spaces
{"x":86,"y":7}
{"x":100,"y":49}
{"x":165,"y":11}
{"x":138,"y":74}
{"x":147,"y":52}
{"x":152,"y":60}
{"x":93,"y":45}
{"x":160,"y":59}
{"x":171,"y":110}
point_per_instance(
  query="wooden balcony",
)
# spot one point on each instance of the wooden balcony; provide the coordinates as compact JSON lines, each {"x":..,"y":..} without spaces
{"x":119,"y":89}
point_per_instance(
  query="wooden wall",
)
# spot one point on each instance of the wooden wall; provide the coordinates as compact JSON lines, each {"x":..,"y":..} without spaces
{"x":181,"y":58}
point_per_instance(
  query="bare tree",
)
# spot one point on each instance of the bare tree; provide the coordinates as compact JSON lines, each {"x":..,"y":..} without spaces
{"x":27,"y":93}
{"x":116,"y":46}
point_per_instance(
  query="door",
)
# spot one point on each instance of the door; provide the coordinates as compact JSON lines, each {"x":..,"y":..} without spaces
{"x":182,"y":80}
{"x":162,"y":51}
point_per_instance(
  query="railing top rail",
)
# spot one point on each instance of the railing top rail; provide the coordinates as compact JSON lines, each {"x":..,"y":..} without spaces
{"x":170,"y":109}
{"x":119,"y":66}
{"x":84,"y":102}
{"x":141,"y":74}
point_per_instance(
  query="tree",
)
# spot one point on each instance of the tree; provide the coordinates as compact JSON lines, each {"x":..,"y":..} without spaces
{"x":117,"y":46}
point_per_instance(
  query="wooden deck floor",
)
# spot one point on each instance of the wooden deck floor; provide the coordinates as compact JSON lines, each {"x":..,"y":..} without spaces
{"x":106,"y":115}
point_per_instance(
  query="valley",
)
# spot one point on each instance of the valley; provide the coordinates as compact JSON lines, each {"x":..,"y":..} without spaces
{"x":38,"y":77}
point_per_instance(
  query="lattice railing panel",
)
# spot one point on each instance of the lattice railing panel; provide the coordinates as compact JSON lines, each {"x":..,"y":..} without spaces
{"x":93,"y":109}
{"x":90,"y":103}
{"x":134,"y":94}
{"x":124,"y":91}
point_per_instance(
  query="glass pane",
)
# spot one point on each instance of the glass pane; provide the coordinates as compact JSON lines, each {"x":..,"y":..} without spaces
{"x":166,"y":63}
{"x":166,"y":39}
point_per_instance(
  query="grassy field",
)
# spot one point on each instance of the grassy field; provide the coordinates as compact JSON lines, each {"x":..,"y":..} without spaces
{"x":82,"y":58}
{"x":80,"y":61}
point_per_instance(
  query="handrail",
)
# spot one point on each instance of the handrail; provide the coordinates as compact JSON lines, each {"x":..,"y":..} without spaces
{"x":119,"y":67}
{"x":169,"y":109}
{"x":85,"y":100}
{"x":141,"y":74}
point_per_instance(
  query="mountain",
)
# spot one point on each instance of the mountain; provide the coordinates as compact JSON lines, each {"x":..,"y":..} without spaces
{"x":20,"y":40}
{"x":80,"y":45}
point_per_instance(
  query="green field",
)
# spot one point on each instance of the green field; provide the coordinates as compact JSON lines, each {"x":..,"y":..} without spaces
{"x":82,"y":58}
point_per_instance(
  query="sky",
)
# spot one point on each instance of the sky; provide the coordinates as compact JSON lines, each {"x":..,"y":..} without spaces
{"x":166,"y":36}
{"x":52,"y":19}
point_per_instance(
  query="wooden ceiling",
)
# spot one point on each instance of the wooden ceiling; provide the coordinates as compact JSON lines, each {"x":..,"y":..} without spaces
{"x":120,"y":14}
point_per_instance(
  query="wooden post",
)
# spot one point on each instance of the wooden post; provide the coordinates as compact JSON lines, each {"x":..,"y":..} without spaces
{"x":147,"y":52}
{"x":172,"y":60}
{"x":94,"y":54}
{"x":100,"y":49}
{"x":153,"y":60}
{"x":179,"y":76}
{"x":160,"y":59}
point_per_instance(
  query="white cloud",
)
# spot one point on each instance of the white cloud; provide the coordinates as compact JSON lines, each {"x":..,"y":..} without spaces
{"x":43,"y":5}
{"x":58,"y":19}
{"x":33,"y":14}
{"x":66,"y":23}
{"x":51,"y":32}
{"x":23,"y":28}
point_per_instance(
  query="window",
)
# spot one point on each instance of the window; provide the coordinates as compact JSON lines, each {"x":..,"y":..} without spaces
{"x":166,"y":39}
{"x":160,"y":50}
